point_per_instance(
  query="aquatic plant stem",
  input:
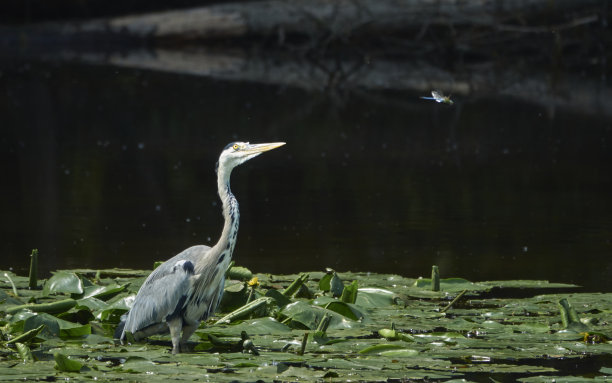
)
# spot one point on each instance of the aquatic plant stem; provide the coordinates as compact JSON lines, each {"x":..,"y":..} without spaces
{"x":295,"y":285}
{"x":33,"y":269}
{"x":435,"y":278}
{"x":324,"y":323}
{"x":51,"y":308}
{"x":568,"y":313}
{"x":304,"y":341}
{"x":245,"y":310}
{"x":12,"y":284}
{"x":448,"y":306}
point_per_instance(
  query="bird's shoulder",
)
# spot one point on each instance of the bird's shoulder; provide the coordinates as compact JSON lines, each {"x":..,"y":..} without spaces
{"x":183,"y":262}
{"x":186,"y":260}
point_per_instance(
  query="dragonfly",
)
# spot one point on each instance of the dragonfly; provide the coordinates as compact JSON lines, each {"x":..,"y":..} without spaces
{"x":437,"y":96}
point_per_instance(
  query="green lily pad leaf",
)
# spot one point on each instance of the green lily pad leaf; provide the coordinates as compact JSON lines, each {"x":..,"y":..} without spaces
{"x":259,"y":307}
{"x":65,"y":364}
{"x":349,"y":294}
{"x":374,"y":298}
{"x":345,"y":309}
{"x":324,"y":282}
{"x":391,"y":334}
{"x":606,"y":370}
{"x":92,"y":304}
{"x":450,"y":284}
{"x":8,"y":300}
{"x":258,"y":326}
{"x":280,"y":298}
{"x":240,"y":273}
{"x":71,"y":330}
{"x":49,"y":322}
{"x":403,"y":352}
{"x":335,"y":285}
{"x":235,"y":295}
{"x":17,"y":320}
{"x":51,"y":307}
{"x":441,"y":335}
{"x":528,"y":284}
{"x":26,"y":336}
{"x":541,"y":328}
{"x":301,"y":315}
{"x":383,"y":347}
{"x":63,"y":282}
{"x":78,"y":316}
{"x":114,"y":311}
{"x":24,"y":352}
{"x":57,"y":327}
{"x":100,"y":292}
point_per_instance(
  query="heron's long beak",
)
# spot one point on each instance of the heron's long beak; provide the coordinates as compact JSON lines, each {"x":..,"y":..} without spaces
{"x":260,"y":148}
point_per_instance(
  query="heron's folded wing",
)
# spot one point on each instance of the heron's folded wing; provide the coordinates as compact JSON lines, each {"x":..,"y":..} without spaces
{"x":159,"y":297}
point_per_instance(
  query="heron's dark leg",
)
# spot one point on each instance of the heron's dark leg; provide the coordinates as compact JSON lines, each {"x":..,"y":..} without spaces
{"x":175,"y":333}
{"x":188,"y":330}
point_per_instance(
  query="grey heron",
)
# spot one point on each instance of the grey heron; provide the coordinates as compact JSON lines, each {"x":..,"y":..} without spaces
{"x":187,"y":288}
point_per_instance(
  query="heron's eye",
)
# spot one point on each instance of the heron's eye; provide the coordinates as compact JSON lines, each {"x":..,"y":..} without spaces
{"x":235,"y":146}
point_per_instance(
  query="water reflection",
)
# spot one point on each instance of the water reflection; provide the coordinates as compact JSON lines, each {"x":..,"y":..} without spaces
{"x":110,"y":166}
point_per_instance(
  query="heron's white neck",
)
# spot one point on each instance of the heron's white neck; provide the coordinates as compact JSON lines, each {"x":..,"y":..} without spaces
{"x":231,"y":215}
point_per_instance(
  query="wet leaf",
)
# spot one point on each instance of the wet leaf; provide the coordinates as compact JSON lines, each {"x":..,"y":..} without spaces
{"x":239,"y":273}
{"x":112,"y":313}
{"x":450,"y":284}
{"x":65,"y":364}
{"x":391,"y":334}
{"x":63,"y":282}
{"x":403,"y":352}
{"x":50,"y":307}
{"x":301,"y":315}
{"x":336,"y":285}
{"x":383,"y":347}
{"x":345,"y":309}
{"x":373,"y":298}
{"x":24,"y":352}
{"x":100,"y":292}
{"x":92,"y":304}
{"x":324,"y":282}
{"x":235,"y":295}
{"x":258,"y":307}
{"x":280,"y":299}
{"x":26,"y":336}
{"x":349,"y":294}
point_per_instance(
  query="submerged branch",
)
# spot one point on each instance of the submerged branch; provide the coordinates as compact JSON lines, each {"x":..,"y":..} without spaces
{"x":569,"y":92}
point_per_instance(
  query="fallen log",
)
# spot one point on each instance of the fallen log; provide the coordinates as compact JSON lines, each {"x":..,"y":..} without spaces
{"x":323,"y":19}
{"x":571,"y":92}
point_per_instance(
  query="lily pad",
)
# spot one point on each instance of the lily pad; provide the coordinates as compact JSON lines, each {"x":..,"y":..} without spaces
{"x":63,"y":282}
{"x":383,"y":347}
{"x":301,"y":315}
{"x":65,"y":364}
{"x":450,"y":284}
{"x":100,"y":292}
{"x":373,"y":297}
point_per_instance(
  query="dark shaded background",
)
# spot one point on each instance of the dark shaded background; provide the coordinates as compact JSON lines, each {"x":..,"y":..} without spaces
{"x":108,"y":166}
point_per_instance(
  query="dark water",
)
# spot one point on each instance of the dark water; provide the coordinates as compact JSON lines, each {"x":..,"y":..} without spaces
{"x":114,"y":167}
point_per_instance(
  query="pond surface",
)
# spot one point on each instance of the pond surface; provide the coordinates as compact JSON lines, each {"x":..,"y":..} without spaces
{"x":107,"y":166}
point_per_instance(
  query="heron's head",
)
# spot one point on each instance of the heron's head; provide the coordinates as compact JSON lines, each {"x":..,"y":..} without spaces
{"x":236,"y":153}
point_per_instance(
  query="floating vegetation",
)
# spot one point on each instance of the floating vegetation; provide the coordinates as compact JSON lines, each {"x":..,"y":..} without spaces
{"x":315,"y":326}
